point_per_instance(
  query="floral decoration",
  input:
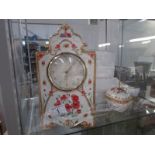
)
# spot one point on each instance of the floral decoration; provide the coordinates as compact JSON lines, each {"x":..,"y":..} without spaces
{"x":40,"y":55}
{"x":44,"y":82}
{"x":118,"y":90}
{"x":57,"y":46}
{"x":69,"y":123}
{"x":43,"y":62}
{"x":68,"y":107}
{"x":69,"y":35}
{"x":89,"y":81}
{"x":65,"y":35}
{"x":74,"y":46}
{"x":83,"y":92}
{"x":76,"y":105}
{"x":71,"y":104}
{"x":50,"y":93}
{"x":63,"y":97}
{"x":85,"y":124}
{"x":75,"y":98}
{"x":79,"y":111}
{"x":92,"y":54}
{"x":66,"y":45}
{"x":57,"y":103}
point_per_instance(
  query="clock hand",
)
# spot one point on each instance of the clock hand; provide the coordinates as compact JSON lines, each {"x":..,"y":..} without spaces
{"x":66,"y":77}
{"x":67,"y":73}
{"x":70,"y":67}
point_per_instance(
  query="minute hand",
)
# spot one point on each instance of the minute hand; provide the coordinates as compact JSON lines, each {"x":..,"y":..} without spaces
{"x":70,"y":67}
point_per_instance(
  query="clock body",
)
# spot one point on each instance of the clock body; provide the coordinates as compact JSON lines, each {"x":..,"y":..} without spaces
{"x":66,"y":77}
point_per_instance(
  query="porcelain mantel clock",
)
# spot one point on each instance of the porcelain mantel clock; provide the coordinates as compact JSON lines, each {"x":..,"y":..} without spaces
{"x":66,"y":75}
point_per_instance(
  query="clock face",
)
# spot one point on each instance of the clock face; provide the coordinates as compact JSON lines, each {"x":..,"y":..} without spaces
{"x":67,"y":71}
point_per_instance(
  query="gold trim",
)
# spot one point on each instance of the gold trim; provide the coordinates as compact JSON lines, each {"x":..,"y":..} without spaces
{"x":119,"y":101}
{"x":94,"y":90}
{"x":52,"y":81}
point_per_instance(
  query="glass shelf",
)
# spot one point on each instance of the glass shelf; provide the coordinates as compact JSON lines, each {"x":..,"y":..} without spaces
{"x":139,"y":109}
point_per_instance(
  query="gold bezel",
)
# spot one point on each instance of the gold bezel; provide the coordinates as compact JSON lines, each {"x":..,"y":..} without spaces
{"x":56,"y":57}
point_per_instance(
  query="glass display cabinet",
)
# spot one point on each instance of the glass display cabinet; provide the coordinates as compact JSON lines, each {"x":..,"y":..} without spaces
{"x":125,"y":66}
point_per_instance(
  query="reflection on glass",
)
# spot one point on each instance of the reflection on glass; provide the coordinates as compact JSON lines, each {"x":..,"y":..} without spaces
{"x":142,"y":20}
{"x":147,"y":112}
{"x":104,"y":44}
{"x":146,"y":42}
{"x":138,"y":54}
{"x":142,"y":39}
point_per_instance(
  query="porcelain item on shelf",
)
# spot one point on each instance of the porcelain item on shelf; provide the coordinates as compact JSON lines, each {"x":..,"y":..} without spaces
{"x":119,"y":98}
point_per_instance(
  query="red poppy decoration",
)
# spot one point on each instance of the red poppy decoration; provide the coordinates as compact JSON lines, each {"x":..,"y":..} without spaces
{"x":74,"y":46}
{"x":92,"y":55}
{"x":50,"y":92}
{"x":83,"y":92}
{"x":57,"y":103}
{"x":40,"y":55}
{"x":90,"y":81}
{"x":68,"y":107}
{"x":57,"y":46}
{"x":76,"y":105}
{"x":75,"y":98}
{"x":63,"y":97}
{"x":44,"y":82}
{"x":74,"y":101}
{"x":68,"y":35}
{"x":79,"y":111}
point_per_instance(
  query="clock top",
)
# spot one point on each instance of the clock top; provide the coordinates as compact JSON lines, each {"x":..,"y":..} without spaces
{"x":66,"y":40}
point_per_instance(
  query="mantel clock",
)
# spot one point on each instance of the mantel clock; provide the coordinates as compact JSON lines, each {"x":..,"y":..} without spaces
{"x":66,"y":77}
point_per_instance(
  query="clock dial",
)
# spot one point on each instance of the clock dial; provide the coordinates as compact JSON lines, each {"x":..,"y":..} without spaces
{"x":67,"y":71}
